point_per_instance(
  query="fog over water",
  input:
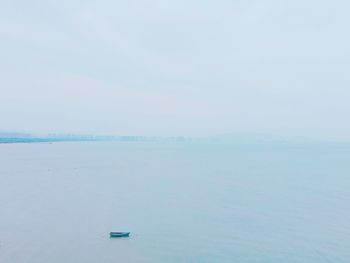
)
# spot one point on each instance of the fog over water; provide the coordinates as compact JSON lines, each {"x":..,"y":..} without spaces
{"x":170,"y":68}
{"x":229,"y":121}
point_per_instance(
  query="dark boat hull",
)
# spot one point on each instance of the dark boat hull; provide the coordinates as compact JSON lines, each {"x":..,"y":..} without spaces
{"x":119,"y":234}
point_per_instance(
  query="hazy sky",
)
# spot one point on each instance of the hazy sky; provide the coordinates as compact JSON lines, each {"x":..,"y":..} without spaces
{"x":176,"y":67}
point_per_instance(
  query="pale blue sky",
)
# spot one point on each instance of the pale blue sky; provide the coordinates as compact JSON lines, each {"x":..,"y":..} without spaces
{"x":176,"y":67}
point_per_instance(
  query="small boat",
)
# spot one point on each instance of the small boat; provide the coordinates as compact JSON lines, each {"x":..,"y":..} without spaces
{"x":119,"y":234}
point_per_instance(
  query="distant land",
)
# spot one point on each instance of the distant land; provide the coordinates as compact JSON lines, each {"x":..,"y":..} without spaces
{"x":16,"y":137}
{"x":13,"y":137}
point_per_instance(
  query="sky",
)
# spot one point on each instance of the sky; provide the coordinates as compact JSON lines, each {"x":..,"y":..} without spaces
{"x":185,"y":67}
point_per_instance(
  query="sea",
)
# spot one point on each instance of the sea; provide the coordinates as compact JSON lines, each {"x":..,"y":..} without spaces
{"x":200,"y":201}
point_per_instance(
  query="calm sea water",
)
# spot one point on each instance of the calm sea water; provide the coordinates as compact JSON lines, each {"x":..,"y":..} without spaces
{"x":182,"y":202}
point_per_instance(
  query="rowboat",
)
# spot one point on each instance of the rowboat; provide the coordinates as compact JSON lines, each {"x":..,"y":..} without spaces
{"x":119,"y":234}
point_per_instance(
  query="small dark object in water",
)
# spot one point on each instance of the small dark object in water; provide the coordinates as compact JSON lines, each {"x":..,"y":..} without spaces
{"x":119,"y":234}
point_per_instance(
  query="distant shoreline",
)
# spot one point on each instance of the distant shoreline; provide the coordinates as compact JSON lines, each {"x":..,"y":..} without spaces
{"x":11,"y":140}
{"x":34,"y":140}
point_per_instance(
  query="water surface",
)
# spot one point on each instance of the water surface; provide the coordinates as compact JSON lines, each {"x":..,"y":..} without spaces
{"x":182,"y":202}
